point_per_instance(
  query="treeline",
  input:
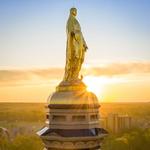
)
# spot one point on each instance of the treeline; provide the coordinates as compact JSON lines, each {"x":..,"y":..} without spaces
{"x":33,"y":112}
{"x":126,"y":108}
{"x":12,"y":112}
{"x":28,"y":116}
{"x":135,"y":139}
{"x":21,"y":142}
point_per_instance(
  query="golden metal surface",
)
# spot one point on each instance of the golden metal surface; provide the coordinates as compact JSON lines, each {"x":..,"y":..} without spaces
{"x":69,"y":88}
{"x":75,"y":48}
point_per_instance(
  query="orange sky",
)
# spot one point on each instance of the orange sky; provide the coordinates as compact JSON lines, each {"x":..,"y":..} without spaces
{"x":123,"y":82}
{"x":114,"y":32}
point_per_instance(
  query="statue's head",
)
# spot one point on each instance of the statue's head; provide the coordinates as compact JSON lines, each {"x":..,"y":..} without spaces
{"x":73,"y":11}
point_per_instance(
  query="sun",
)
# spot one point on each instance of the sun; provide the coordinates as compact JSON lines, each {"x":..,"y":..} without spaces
{"x":93,"y":85}
{"x":100,"y":84}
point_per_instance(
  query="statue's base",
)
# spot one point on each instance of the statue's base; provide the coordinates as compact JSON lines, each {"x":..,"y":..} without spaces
{"x":76,"y":85}
{"x":72,"y":120}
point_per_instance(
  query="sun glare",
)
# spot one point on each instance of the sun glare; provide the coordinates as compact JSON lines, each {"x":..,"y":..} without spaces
{"x":97,"y":84}
{"x":93,"y":84}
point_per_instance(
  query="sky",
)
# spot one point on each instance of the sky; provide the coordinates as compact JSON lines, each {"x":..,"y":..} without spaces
{"x":33,"y":45}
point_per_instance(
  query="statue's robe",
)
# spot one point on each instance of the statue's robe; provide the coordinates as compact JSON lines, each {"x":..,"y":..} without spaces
{"x":75,"y":49}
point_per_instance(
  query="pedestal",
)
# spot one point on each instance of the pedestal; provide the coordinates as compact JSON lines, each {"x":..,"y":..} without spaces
{"x":72,"y":119}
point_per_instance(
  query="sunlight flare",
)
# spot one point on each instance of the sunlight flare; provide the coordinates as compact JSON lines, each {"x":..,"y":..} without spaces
{"x":97,"y":84}
{"x":93,"y":84}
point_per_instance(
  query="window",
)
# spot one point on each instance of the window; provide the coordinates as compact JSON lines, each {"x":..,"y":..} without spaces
{"x":58,"y":118}
{"x":78,"y":118}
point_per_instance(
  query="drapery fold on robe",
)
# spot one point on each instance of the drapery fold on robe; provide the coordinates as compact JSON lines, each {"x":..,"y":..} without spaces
{"x":75,"y":49}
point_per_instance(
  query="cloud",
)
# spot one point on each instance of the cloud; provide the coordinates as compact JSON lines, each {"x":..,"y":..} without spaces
{"x":15,"y":77}
{"x":49,"y":73}
{"x":120,"y":69}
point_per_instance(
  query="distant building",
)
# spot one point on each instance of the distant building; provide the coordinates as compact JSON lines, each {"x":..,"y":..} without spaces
{"x":116,"y":123}
{"x":103,"y":122}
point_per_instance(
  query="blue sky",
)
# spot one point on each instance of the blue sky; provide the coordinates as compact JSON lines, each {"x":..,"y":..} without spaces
{"x":32,"y":32}
{"x":33,"y":38}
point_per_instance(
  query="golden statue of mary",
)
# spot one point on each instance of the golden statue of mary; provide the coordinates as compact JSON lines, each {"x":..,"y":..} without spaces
{"x":75,"y":49}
